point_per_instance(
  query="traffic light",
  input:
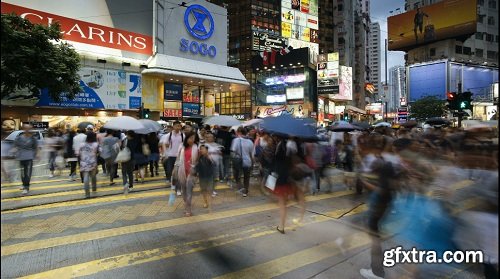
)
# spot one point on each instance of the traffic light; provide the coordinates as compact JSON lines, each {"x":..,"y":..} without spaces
{"x":146,"y":113}
{"x":465,"y":101}
{"x":452,"y":97}
{"x":346,"y":117}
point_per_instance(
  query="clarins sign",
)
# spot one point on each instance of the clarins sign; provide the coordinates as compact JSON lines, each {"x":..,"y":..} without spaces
{"x":85,"y":32}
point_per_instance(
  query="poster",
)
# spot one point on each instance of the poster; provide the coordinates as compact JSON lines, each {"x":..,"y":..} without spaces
{"x":102,"y":89}
{"x":305,"y":34}
{"x":172,"y":109}
{"x":312,"y":22}
{"x":299,"y":110}
{"x":287,"y":15}
{"x":172,"y":92}
{"x":304,"y":6}
{"x":150,"y":97}
{"x":191,"y":96}
{"x":313,"y":7}
{"x":296,"y":4}
{"x":345,"y":85}
{"x":189,"y":109}
{"x":209,"y":104}
{"x":286,"y":30}
{"x":314,"y":36}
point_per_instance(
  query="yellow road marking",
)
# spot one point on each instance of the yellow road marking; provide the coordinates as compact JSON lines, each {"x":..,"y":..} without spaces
{"x":81,"y":191}
{"x":265,"y":270}
{"x":297,"y":260}
{"x":100,"y":200}
{"x":88,"y":236}
{"x":75,"y":184}
{"x":136,"y":258}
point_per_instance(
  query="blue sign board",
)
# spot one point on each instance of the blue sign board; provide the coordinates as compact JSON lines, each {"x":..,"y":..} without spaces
{"x":189,"y":109}
{"x":172,"y":92}
{"x":135,"y":102}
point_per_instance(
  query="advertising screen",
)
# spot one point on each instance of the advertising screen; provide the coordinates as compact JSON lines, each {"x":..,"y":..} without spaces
{"x":102,"y":89}
{"x":296,"y":93}
{"x":172,"y":92}
{"x":345,"y":85}
{"x":443,"y":20}
{"x":276,"y":99}
{"x":427,"y":80}
{"x":190,"y":109}
{"x":475,"y":79}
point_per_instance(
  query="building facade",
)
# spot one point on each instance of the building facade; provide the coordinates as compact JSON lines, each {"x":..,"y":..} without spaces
{"x":374,"y":57}
{"x":397,"y":88}
{"x":165,"y":58}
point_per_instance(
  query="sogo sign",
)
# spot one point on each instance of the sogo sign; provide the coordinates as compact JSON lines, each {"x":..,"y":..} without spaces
{"x":198,"y":31}
{"x":85,"y":32}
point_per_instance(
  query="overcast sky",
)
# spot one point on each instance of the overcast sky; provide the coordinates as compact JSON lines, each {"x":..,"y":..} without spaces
{"x":379,"y":12}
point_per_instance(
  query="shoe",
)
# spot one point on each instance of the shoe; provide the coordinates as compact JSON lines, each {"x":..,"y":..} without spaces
{"x":25,"y":192}
{"x":214,"y":194}
{"x":111,"y":183}
{"x":245,"y":195}
{"x":22,"y":188}
{"x":136,"y":180}
{"x":296,"y":221}
{"x":179,"y":193}
{"x":51,"y":176}
{"x":125,"y":188}
{"x":94,"y":189}
{"x":281,"y":231}
{"x":130,"y":188}
{"x":368,"y":273}
{"x":205,"y":205}
{"x":188,"y":214}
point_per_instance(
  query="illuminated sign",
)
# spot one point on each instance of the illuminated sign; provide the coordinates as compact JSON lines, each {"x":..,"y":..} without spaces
{"x":295,"y":93}
{"x":334,"y":56}
{"x":264,"y":41}
{"x":274,"y":99}
{"x":285,"y":79}
{"x":86,"y":32}
{"x":198,"y":30}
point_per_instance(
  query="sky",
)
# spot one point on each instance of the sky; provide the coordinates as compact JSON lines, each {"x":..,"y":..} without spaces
{"x":380,"y":10}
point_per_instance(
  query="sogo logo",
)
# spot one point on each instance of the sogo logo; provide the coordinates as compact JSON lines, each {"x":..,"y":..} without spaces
{"x":198,"y":30}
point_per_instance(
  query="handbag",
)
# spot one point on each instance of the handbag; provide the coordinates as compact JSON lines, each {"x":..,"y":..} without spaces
{"x":60,"y":161}
{"x":271,"y":181}
{"x":123,"y":156}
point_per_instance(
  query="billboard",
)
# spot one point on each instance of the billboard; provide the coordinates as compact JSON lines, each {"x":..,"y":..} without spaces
{"x":114,"y":32}
{"x":443,"y":20}
{"x":345,"y":84}
{"x":328,"y":77}
{"x":475,"y":79}
{"x":102,"y":89}
{"x":172,"y":92}
{"x":298,"y":20}
{"x":427,"y":80}
{"x":264,"y":41}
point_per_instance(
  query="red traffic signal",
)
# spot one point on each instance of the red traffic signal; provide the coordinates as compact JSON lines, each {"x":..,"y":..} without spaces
{"x":450,"y":96}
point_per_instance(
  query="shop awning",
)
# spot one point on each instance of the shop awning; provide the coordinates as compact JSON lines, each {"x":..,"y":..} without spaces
{"x":355,"y":109}
{"x":194,"y":72}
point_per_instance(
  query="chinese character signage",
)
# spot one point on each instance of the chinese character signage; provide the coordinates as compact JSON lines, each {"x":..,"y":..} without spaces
{"x":172,"y":92}
{"x":190,"y":109}
{"x":102,"y":89}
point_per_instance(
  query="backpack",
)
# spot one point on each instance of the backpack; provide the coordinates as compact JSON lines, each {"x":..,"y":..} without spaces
{"x":170,"y":138}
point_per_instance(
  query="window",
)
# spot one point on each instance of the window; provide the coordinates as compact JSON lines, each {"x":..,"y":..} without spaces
{"x":479,"y":52}
{"x":489,"y":37}
{"x":432,"y":52}
{"x":491,"y":54}
{"x":467,"y":50}
{"x":492,"y":4}
{"x":479,"y":35}
{"x":480,"y":2}
{"x":491,"y":20}
{"x":458,"y":49}
{"x":480,"y":18}
{"x":340,"y":7}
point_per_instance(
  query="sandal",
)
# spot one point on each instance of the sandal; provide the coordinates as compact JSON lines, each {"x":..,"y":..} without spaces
{"x":281,"y":231}
{"x":188,"y":214}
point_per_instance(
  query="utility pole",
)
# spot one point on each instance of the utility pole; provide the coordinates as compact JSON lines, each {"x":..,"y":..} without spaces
{"x":460,"y":111}
{"x":386,"y":74}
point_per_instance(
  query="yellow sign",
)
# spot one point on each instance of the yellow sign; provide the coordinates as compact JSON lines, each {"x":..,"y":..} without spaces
{"x":152,"y":93}
{"x":334,"y":56}
{"x":305,"y":34}
{"x":286,"y":30}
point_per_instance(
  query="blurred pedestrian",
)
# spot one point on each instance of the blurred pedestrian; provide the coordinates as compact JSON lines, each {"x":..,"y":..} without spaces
{"x":88,"y":162}
{"x":225,"y":138}
{"x":154,"y":157}
{"x":53,"y":144}
{"x":27,"y":150}
{"x":109,"y":150}
{"x":69,"y":154}
{"x":170,"y":144}
{"x":242,"y":152}
{"x":205,"y":172}
{"x":100,"y":137}
{"x":78,"y":141}
{"x":141,"y":157}
{"x":215,"y":153}
{"x":185,"y":163}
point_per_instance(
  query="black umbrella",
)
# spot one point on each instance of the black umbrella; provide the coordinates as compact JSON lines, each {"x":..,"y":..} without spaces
{"x":345,"y":127}
{"x":82,"y":126}
{"x":410,"y":124}
{"x":437,"y":121}
{"x":287,"y":125}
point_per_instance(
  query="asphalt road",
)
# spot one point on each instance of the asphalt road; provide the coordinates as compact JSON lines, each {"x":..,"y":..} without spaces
{"x":55,"y":233}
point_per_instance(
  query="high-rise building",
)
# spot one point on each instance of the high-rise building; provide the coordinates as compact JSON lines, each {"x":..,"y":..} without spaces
{"x":397,"y":87}
{"x":374,"y":56}
{"x":326,"y":26}
{"x":481,"y":48}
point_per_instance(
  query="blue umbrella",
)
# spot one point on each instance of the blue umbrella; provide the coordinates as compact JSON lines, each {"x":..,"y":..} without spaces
{"x":289,"y":126}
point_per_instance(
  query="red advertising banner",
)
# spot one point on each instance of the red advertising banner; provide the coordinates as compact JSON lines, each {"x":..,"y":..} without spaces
{"x":172,"y":113}
{"x":86,"y":32}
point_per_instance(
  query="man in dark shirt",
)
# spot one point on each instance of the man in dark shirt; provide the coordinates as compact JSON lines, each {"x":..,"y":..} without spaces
{"x":224,"y":138}
{"x":418,"y":22}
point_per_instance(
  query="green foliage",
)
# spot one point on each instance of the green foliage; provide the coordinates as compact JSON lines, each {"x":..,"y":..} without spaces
{"x":426,"y":108}
{"x":34,"y":57}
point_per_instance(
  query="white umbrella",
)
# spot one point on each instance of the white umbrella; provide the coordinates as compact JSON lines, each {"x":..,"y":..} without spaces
{"x":222,"y":120}
{"x":151,"y":124}
{"x":125,"y":123}
{"x":253,"y":122}
{"x":383,"y":124}
{"x":162,"y":122}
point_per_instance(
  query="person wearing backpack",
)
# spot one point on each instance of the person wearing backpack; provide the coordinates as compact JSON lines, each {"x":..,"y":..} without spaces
{"x":110,"y":147}
{"x":242,"y":156}
{"x":170,"y":144}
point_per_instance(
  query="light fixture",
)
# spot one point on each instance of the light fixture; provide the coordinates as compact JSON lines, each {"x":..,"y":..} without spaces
{"x":191,"y":81}
{"x":274,"y":67}
{"x":265,"y":68}
{"x":257,"y":69}
{"x":101,"y":61}
{"x":125,"y":64}
{"x":298,"y":63}
{"x":281,"y":66}
{"x":291,"y":64}
{"x":171,"y":79}
{"x":176,"y":80}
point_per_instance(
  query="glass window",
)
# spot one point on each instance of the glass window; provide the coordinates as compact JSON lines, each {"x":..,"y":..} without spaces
{"x":491,"y":54}
{"x":479,"y":35}
{"x":432,"y":52}
{"x":479,"y":52}
{"x":489,"y":37}
{"x":491,"y":20}
{"x":458,"y":49}
{"x":492,"y":4}
{"x":467,"y":50}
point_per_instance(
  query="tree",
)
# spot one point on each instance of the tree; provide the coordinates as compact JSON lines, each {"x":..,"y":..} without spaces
{"x":34,"y":57}
{"x":427,"y":107}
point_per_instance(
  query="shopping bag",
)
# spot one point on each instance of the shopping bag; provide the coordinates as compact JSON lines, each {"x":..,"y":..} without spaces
{"x":123,"y":156}
{"x":60,"y":163}
{"x":271,"y":181}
